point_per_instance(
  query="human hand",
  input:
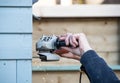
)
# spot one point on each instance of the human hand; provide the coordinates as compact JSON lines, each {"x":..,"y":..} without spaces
{"x":79,"y":45}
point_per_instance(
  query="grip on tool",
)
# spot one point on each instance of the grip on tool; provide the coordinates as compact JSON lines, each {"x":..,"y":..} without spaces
{"x":60,"y":43}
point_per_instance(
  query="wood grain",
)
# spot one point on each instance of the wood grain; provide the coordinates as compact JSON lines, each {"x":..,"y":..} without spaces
{"x":101,"y":33}
{"x":61,"y":77}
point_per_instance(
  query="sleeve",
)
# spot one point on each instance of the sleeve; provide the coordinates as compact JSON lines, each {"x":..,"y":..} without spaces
{"x":96,"y":68}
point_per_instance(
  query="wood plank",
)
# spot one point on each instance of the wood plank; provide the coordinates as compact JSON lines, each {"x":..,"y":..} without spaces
{"x":61,"y":77}
{"x":56,"y":68}
{"x":7,"y":71}
{"x":111,"y":58}
{"x":16,"y":3}
{"x":110,"y":43}
{"x":66,"y":68}
{"x":60,"y":26}
{"x":77,"y":11}
{"x":15,"y":20}
{"x":103,"y":36}
{"x":57,"y":77}
{"x":62,"y":62}
{"x":24,"y":71}
{"x":15,"y":46}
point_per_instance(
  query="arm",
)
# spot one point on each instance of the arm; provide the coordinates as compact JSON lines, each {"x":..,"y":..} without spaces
{"x":97,"y":69}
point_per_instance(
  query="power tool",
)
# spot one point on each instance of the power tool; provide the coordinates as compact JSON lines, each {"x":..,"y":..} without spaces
{"x":46,"y":47}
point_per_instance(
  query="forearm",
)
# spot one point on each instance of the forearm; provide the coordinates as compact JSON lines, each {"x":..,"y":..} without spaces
{"x":97,"y":69}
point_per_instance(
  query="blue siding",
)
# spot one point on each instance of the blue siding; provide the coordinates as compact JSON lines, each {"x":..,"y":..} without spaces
{"x":24,"y":73}
{"x":15,"y":46}
{"x":15,"y":20}
{"x":7,"y":71}
{"x":15,"y":41}
{"x":15,"y":2}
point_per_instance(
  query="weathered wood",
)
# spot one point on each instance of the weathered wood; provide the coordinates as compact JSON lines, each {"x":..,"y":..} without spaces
{"x":61,"y":77}
{"x":16,"y":3}
{"x":15,"y":46}
{"x":60,"y":26}
{"x":7,"y":71}
{"x":57,"y":77}
{"x":16,"y":20}
{"x":65,"y":68}
{"x":56,"y":68}
{"x":62,"y":62}
{"x":24,"y":73}
{"x":110,"y":57}
{"x":101,"y":33}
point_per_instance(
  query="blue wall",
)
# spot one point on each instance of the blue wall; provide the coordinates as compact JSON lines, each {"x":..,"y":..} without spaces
{"x":15,"y":41}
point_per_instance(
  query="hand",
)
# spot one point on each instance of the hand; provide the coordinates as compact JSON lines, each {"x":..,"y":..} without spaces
{"x":79,"y":45}
{"x":64,"y":53}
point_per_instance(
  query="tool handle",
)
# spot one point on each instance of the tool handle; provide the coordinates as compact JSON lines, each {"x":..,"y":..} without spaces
{"x":60,"y":43}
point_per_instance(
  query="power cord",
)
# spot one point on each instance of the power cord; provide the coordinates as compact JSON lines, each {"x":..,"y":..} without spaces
{"x":82,"y":69}
{"x":80,"y":76}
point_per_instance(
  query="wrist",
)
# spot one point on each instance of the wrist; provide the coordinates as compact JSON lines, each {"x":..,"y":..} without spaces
{"x":85,"y":50}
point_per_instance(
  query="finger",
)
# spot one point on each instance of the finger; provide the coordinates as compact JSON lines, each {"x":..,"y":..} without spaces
{"x":62,"y":38}
{"x":64,"y":35}
{"x":71,"y":42}
{"x":76,"y":36}
{"x":67,"y":40}
{"x":74,"y":40}
{"x":76,"y":57}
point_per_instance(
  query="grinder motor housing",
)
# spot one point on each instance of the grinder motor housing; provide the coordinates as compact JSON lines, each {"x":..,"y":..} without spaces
{"x":46,"y":46}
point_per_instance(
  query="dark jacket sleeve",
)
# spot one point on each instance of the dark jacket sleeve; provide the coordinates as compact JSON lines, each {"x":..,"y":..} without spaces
{"x":97,"y":69}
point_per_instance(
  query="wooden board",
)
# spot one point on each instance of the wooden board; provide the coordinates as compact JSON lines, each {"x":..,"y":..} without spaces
{"x":15,"y":46}
{"x":103,"y":34}
{"x":57,"y":77}
{"x":112,"y":58}
{"x":7,"y":71}
{"x":16,"y":20}
{"x":62,"y":62}
{"x":16,"y":3}
{"x":103,"y":37}
{"x":108,"y":26}
{"x":75,"y":11}
{"x":61,"y":77}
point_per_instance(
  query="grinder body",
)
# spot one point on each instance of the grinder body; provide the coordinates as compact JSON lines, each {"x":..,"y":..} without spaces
{"x":46,"y":46}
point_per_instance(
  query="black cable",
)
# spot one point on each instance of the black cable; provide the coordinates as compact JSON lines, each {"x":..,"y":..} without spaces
{"x":82,"y":69}
{"x":80,"y":77}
